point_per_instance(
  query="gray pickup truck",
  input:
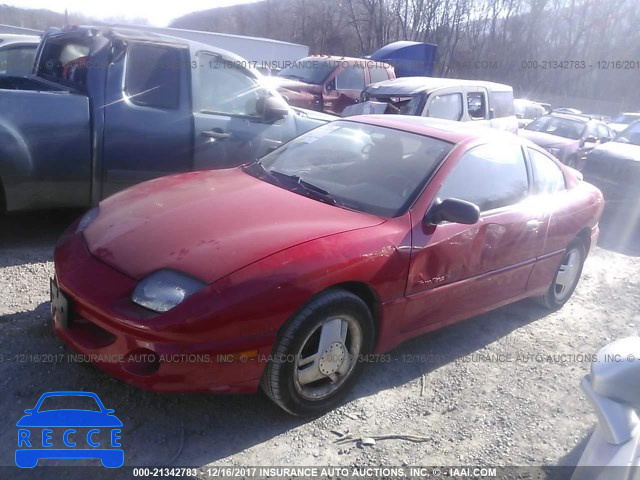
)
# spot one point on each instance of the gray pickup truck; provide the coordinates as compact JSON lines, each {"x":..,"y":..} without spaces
{"x":106,"y":108}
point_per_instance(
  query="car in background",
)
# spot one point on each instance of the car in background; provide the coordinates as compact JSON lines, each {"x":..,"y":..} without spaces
{"x":567,"y":137}
{"x":329,"y":83}
{"x":17,"y":53}
{"x":486,"y":103}
{"x":615,"y":168}
{"x":567,"y":110}
{"x":109,"y":107}
{"x":527,"y":111}
{"x":623,"y":120}
{"x":286,"y":272}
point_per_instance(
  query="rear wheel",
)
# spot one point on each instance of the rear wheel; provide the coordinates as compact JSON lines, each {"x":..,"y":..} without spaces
{"x":566,"y":278}
{"x":316,"y":358}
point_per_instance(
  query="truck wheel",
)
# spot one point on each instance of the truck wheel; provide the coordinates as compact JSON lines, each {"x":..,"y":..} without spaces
{"x":566,"y":278}
{"x":315,"y":360}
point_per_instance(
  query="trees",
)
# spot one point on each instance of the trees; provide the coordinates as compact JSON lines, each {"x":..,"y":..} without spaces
{"x":546,"y":49}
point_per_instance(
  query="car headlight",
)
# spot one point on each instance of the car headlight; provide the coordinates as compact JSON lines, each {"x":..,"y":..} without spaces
{"x":164,"y":289}
{"x":87,"y":218}
{"x":556,"y":152}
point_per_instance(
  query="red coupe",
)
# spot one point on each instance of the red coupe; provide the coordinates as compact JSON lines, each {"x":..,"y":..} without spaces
{"x":291,"y":272}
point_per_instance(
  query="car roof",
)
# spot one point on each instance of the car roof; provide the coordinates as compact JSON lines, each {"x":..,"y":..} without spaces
{"x":447,"y":130}
{"x":347,"y":59}
{"x":141,"y":35}
{"x":413,"y":85}
{"x":13,"y":38}
{"x":574,"y":116}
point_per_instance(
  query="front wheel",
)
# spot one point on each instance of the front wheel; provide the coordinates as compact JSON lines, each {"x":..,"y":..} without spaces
{"x":566,"y":278}
{"x":316,"y":358}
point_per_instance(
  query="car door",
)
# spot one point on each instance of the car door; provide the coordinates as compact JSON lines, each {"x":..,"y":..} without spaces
{"x":344,"y":89}
{"x":458,"y":271}
{"x":560,"y":218}
{"x":147,"y":124}
{"x":228,"y":129}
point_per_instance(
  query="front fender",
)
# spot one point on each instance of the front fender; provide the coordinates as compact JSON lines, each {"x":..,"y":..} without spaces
{"x":258,"y":299}
{"x":15,"y":155}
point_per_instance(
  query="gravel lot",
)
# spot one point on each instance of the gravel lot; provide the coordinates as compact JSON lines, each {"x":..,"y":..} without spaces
{"x":492,"y":390}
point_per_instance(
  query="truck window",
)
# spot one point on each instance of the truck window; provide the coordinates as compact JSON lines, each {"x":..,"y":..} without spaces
{"x":17,"y":60}
{"x":225,"y":88}
{"x":378,"y":74}
{"x":502,"y":104}
{"x":447,"y":106}
{"x":153,"y":76}
{"x":351,"y":78}
{"x":64,"y":60}
{"x":476,"y":105}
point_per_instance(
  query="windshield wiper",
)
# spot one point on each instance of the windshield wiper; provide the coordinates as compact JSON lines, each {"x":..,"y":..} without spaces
{"x":318,"y":192}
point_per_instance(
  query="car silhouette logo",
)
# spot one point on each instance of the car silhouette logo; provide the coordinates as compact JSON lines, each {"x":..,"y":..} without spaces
{"x":69,"y":433}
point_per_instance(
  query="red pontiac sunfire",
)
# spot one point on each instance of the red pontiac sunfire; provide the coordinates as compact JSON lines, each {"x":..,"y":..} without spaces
{"x":286,"y":273}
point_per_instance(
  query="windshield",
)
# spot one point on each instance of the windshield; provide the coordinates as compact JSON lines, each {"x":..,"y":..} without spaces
{"x":69,"y":402}
{"x":562,"y":127}
{"x":627,"y":118}
{"x":631,"y":134}
{"x":402,"y":105}
{"x":309,"y":70}
{"x":367,"y":168}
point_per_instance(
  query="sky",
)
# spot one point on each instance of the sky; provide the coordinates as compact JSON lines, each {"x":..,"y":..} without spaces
{"x":158,"y":13}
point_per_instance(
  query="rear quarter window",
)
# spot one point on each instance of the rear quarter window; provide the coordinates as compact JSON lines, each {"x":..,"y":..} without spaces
{"x":153,"y":76}
{"x":547,"y":176}
{"x":378,"y":74}
{"x":502,"y":104}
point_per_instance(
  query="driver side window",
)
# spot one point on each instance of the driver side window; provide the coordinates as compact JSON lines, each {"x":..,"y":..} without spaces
{"x":477,"y":105}
{"x":491,"y":176}
{"x":351,"y":78}
{"x":225,"y":88}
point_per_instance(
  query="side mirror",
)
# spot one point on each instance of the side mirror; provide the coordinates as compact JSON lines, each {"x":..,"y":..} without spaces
{"x":331,"y":85}
{"x":492,"y":114}
{"x":272,"y":109}
{"x":29,"y":411}
{"x":616,"y":372}
{"x":453,"y":210}
{"x":589,"y":139}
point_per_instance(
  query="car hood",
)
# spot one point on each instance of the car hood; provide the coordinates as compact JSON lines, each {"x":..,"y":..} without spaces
{"x":547,"y":140}
{"x":618,"y":127}
{"x":69,"y":418}
{"x":313,"y":115}
{"x":626,"y":151}
{"x":209,"y":224}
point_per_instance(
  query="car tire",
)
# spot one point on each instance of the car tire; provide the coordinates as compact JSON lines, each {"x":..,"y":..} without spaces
{"x":566,"y":278}
{"x":315,"y":359}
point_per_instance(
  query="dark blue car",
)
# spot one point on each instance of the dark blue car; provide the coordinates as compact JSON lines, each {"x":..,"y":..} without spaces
{"x":69,"y":425}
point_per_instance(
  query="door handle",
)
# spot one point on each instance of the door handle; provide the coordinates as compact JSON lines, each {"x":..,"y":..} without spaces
{"x":533,"y":225}
{"x":217,"y":134}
